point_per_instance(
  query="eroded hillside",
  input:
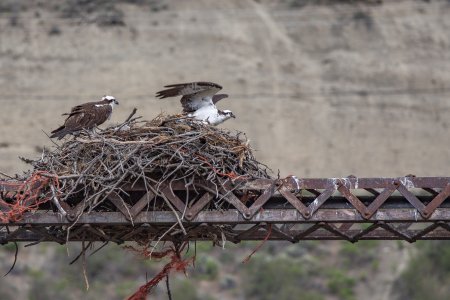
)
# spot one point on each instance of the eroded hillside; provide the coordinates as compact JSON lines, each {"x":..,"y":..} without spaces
{"x":322,"y":89}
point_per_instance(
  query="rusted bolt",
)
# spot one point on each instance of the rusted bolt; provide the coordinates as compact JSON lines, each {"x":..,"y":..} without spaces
{"x":366,"y":215}
{"x":71,"y":217}
{"x":307,"y":214}
{"x":396,"y":182}
{"x":247,"y":215}
{"x":189,"y":215}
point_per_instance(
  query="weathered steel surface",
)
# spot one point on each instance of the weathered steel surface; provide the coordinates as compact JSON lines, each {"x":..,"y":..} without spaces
{"x":406,"y":208}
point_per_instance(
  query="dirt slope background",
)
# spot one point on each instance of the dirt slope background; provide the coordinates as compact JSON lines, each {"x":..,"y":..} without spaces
{"x":323,"y":89}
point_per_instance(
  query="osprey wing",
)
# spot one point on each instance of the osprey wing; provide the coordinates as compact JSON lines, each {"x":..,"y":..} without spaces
{"x":80,"y":108}
{"x":84,"y":116}
{"x":192,"y":93}
{"x":76,"y":121}
{"x":218,"y":97}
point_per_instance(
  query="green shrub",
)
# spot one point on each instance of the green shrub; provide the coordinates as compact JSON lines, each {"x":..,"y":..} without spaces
{"x":206,"y":268}
{"x":341,"y":285}
{"x":125,"y":288}
{"x":46,"y":288}
{"x":428,"y":273}
{"x":10,"y":247}
{"x":279,"y":278}
{"x":184,"y":289}
{"x":362,"y":253}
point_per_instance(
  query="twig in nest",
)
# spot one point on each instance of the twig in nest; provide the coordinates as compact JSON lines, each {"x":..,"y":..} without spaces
{"x":86,"y":280}
{"x":16,"y":253}
{"x":176,"y":118}
{"x":56,"y":201}
{"x":269,"y":232}
{"x":6,"y":175}
{"x":161,"y":237}
{"x":128,"y":120}
{"x":131,"y":115}
{"x":171,"y":207}
{"x":169,"y":294}
{"x":83,"y":250}
{"x":99,"y":248}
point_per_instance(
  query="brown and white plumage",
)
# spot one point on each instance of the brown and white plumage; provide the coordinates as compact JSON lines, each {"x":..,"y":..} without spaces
{"x":195,"y":94}
{"x":198,"y":100}
{"x":86,"y":116}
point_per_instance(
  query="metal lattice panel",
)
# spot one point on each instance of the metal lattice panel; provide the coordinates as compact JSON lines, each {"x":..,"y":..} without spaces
{"x":406,"y":208}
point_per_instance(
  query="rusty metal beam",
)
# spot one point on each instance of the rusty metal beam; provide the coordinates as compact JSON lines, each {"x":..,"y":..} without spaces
{"x":233,"y":217}
{"x":405,"y":208}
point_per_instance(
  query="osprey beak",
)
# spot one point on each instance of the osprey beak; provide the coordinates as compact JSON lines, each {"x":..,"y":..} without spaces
{"x":233,"y":116}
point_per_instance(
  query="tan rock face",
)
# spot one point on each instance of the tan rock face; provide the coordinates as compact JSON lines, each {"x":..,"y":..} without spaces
{"x":320,"y":90}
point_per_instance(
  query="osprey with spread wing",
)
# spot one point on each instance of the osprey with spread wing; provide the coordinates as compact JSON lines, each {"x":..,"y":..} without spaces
{"x":86,"y":116}
{"x":199,"y":100}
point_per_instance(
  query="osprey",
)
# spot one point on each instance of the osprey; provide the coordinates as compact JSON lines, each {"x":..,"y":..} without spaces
{"x":86,"y":116}
{"x":199,"y":101}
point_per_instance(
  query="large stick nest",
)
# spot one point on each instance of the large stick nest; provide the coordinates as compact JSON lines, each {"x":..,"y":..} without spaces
{"x":166,"y":149}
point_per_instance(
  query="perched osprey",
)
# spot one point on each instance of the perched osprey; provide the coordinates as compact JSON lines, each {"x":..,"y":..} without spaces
{"x":199,"y":101}
{"x":86,"y":116}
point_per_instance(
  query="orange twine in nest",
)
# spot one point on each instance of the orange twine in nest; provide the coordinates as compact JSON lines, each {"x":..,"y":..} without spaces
{"x":232,"y":175}
{"x":27,"y":196}
{"x":176,"y":264}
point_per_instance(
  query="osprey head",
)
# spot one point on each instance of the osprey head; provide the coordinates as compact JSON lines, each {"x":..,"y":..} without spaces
{"x":228,"y":113}
{"x":111,"y":100}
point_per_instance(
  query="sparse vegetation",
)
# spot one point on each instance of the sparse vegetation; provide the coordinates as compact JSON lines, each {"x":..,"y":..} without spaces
{"x":301,"y":3}
{"x":207,"y":268}
{"x":54,"y":30}
{"x":361,"y":254}
{"x":341,"y":285}
{"x":428,"y":274}
{"x":103,"y":12}
{"x":55,"y":290}
{"x":185,"y":289}
{"x":278,"y":278}
{"x":362,"y":17}
{"x":10,"y":6}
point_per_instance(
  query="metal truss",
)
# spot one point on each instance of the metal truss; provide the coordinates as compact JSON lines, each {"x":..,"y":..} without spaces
{"x":406,"y":208}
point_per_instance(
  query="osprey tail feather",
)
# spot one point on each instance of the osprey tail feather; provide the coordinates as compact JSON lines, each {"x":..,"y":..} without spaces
{"x":60,"y":132}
